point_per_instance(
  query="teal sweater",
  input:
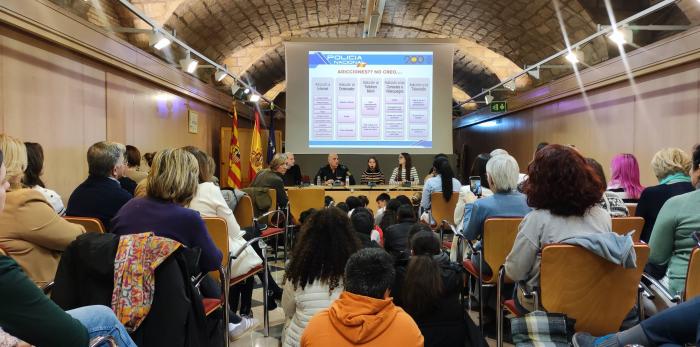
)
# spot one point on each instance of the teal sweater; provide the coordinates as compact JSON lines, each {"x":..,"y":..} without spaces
{"x":26,"y":313}
{"x":672,"y":237}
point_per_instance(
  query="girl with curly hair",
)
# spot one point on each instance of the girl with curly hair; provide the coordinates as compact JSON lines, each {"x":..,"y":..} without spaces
{"x":314,"y":274}
{"x":564,"y":191}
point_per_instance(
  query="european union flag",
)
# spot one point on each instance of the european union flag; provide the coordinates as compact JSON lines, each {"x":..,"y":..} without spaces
{"x":271,"y":138}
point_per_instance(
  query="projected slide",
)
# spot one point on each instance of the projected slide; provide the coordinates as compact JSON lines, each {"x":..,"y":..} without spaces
{"x":370,"y":99}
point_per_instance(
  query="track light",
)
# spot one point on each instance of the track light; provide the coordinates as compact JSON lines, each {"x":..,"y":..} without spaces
{"x":246,"y":91}
{"x":510,"y":85}
{"x":220,"y":75}
{"x":621,"y":36}
{"x":535,"y":73}
{"x":254,"y":97}
{"x":488,"y":98}
{"x":188,"y":64}
{"x":574,"y":57}
{"x":158,"y":41}
{"x":234,"y":88}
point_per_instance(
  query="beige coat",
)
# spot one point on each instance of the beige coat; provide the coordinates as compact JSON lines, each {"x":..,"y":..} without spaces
{"x":34,"y":235}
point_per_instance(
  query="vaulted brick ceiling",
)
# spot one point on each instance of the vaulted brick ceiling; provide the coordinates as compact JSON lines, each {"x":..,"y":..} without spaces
{"x":496,"y":37}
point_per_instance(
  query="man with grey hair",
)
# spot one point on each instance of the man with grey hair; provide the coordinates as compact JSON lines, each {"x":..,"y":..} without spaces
{"x":100,"y":195}
{"x":272,"y":178}
{"x":506,"y":201}
{"x":334,"y":171}
{"x":293,"y":175}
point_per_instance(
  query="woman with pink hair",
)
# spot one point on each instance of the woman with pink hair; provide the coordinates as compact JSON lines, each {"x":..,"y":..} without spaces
{"x":625,"y":178}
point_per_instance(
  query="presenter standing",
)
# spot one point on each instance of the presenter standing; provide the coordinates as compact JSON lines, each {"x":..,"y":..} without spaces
{"x":373,"y":174}
{"x":405,"y":172}
{"x":334,"y":171}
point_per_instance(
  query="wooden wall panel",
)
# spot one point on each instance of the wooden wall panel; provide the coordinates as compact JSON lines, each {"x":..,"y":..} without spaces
{"x":661,"y":110}
{"x":67,"y":102}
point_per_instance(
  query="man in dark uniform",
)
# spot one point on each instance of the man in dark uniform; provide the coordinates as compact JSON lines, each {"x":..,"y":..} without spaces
{"x":334,"y":171}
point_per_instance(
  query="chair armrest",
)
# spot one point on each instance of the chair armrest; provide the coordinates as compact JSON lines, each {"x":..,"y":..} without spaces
{"x":47,"y":287}
{"x":100,"y":340}
{"x":661,"y":289}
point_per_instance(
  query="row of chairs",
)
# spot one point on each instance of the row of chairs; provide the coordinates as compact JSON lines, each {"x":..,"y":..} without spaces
{"x":598,"y":296}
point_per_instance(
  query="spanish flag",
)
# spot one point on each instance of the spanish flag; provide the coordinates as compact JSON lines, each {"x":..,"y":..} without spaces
{"x":233,"y":177}
{"x":256,"y":154}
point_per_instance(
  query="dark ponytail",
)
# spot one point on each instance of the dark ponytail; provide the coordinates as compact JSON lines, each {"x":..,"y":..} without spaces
{"x":443,"y":168}
{"x":423,"y":285}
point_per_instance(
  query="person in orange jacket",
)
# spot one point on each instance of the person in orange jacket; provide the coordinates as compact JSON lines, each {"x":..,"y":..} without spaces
{"x":364,"y":314}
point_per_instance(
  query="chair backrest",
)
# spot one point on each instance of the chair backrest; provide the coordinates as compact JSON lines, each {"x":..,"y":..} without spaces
{"x":692,"y":281}
{"x":2,"y":252}
{"x":90,"y":224}
{"x":218,"y":230}
{"x":273,"y":199}
{"x":623,"y":225}
{"x":441,"y":209}
{"x":632,"y":208}
{"x":588,"y":288}
{"x":301,"y":200}
{"x":244,"y":212}
{"x":498,"y":240}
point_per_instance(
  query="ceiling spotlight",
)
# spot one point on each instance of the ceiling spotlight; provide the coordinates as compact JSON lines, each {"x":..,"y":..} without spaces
{"x":535,"y":73}
{"x":254,"y":98}
{"x":220,"y":75}
{"x":158,"y":41}
{"x":234,"y":88}
{"x":246,"y":91}
{"x":621,"y":36}
{"x":488,"y":98}
{"x":572,"y":57}
{"x":188,"y":64}
{"x":510,"y":85}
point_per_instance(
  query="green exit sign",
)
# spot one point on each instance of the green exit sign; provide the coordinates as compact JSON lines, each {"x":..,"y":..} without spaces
{"x":498,"y":106}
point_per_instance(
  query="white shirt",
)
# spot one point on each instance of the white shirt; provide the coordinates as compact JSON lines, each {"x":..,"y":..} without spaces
{"x":53,"y":198}
{"x":209,"y":201}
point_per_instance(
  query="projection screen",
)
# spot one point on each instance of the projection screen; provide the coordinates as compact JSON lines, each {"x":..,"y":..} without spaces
{"x":369,"y":96}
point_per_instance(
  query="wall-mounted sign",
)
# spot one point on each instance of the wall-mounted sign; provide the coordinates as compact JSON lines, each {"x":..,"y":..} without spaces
{"x":498,"y":106}
{"x":193,"y":122}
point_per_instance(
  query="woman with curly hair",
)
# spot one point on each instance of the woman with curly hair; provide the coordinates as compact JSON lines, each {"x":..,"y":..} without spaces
{"x":564,"y":191}
{"x":314,"y":274}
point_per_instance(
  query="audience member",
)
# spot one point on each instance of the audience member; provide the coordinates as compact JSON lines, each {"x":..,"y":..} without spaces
{"x":671,"y":167}
{"x":30,"y":230}
{"x":466,"y":196}
{"x":396,"y":236}
{"x":502,"y":175}
{"x":353,"y":202}
{"x":539,"y":147}
{"x":401,"y":261}
{"x":171,"y":185}
{"x":272,"y":178}
{"x":148,"y":157}
{"x":100,"y":195}
{"x":212,"y":170}
{"x":133,"y":164}
{"x":292,"y":177}
{"x":610,"y":201}
{"x":209,"y":202}
{"x":671,"y":238}
{"x":389,"y":215}
{"x":676,"y":326}
{"x":314,"y":276}
{"x":431,"y":170}
{"x":364,"y":200}
{"x":343,"y":206}
{"x":431,"y":292}
{"x":328,"y":201}
{"x":305,"y":215}
{"x":444,"y":182}
{"x":32,"y":177}
{"x":364,"y":314}
{"x":334,"y":172}
{"x":373,"y":174}
{"x":625,"y":177}
{"x":363,"y":223}
{"x":382,"y":200}
{"x":563,"y":191}
{"x":405,"y":172}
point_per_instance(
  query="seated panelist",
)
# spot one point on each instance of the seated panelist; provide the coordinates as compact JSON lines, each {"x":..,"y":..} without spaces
{"x":334,"y":171}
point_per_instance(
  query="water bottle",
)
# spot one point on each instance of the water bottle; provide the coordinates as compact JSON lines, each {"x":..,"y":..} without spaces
{"x":318,"y":180}
{"x":347,"y":180}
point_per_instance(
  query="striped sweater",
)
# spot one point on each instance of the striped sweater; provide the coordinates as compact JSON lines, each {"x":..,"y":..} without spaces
{"x":376,"y":177}
{"x":396,"y":177}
